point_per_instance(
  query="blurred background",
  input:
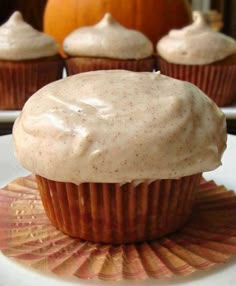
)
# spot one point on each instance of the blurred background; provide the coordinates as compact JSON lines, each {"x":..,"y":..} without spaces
{"x":226,"y":13}
{"x":221,"y":13}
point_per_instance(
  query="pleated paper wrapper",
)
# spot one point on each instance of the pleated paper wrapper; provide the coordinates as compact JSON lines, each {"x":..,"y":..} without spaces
{"x":20,"y":79}
{"x":26,"y":234}
{"x":115,"y":213}
{"x":215,"y":80}
{"x":76,"y":65}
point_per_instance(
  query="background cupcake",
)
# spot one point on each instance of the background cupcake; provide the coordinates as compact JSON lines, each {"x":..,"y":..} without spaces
{"x":202,"y":56}
{"x":119,"y":154}
{"x":28,"y":60}
{"x":107,"y":45}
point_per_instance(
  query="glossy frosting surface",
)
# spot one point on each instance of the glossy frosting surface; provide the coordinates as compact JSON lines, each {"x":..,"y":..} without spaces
{"x":108,"y":39}
{"x":20,"y":41}
{"x":119,"y":126}
{"x":195,"y":44}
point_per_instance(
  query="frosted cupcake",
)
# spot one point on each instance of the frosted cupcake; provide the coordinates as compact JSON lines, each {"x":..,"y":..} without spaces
{"x":202,"y":56}
{"x":107,"y":45}
{"x":118,"y":155}
{"x":28,"y":60}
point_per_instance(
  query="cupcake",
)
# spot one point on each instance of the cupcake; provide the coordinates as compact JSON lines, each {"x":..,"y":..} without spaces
{"x":28,"y":60}
{"x":202,"y":56}
{"x":107,"y":45}
{"x":118,"y":155}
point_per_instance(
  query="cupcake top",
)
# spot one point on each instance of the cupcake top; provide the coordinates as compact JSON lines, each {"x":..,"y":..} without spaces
{"x":20,"y":41}
{"x":119,"y":126}
{"x":108,"y":39}
{"x":196,"y":44}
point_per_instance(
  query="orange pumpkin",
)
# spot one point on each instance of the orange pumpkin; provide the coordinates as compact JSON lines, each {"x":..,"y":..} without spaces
{"x":152,"y":17}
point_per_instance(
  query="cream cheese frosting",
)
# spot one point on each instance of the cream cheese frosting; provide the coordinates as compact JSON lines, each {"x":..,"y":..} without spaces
{"x":119,"y":126}
{"x":196,"y":44}
{"x":108,"y":39}
{"x":20,"y":41}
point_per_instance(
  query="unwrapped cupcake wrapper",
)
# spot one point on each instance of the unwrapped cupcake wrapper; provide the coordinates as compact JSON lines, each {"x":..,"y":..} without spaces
{"x":26,"y":235}
{"x":84,"y":64}
{"x":115,"y":213}
{"x":215,"y":80}
{"x":20,"y":79}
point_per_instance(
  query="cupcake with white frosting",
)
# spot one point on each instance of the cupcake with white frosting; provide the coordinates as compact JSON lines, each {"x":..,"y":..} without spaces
{"x":202,"y":56}
{"x":118,"y":154}
{"x":28,"y":60}
{"x":107,"y":45}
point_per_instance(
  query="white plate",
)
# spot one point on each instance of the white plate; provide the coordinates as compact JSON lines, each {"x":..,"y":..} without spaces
{"x":8,"y":116}
{"x":230,"y":111}
{"x":12,"y":273}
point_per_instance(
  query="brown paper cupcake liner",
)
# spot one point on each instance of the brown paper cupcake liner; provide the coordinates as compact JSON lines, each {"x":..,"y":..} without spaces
{"x":85,"y":64}
{"x":216,"y":80}
{"x":27,"y":235}
{"x":20,"y":79}
{"x":114,"y":213}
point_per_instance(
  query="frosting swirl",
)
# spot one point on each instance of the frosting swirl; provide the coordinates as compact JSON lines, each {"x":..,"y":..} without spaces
{"x":118,"y":127}
{"x":20,"y":41}
{"x":108,"y":39}
{"x":196,"y":44}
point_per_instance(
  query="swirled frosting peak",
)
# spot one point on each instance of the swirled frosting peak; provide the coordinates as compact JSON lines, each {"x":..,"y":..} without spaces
{"x":195,"y":44}
{"x":20,"y":41}
{"x":108,"y":39}
{"x":118,"y":127}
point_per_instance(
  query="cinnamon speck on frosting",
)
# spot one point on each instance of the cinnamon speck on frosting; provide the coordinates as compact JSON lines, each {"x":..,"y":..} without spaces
{"x":196,"y":44}
{"x":20,"y":41}
{"x":108,"y":39}
{"x":131,"y":127}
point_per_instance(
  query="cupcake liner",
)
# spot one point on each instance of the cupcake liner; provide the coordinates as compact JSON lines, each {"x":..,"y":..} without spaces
{"x":114,"y":213}
{"x":20,"y":79}
{"x":84,"y":64}
{"x":27,"y":235}
{"x":216,"y":80}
